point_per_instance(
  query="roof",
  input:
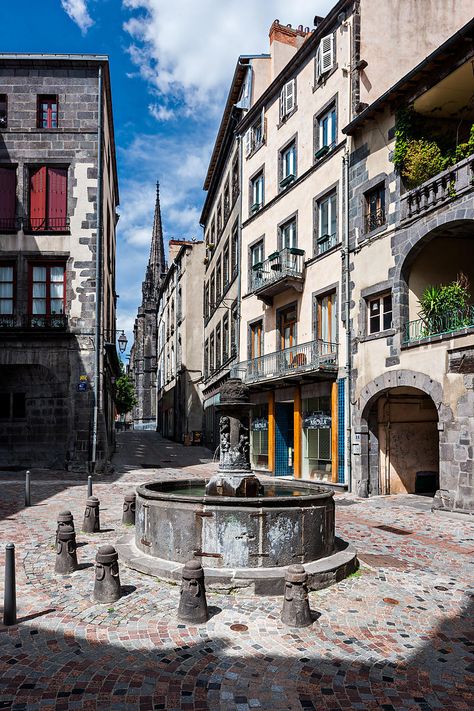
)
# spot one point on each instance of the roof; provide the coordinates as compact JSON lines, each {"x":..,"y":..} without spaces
{"x":427,"y":73}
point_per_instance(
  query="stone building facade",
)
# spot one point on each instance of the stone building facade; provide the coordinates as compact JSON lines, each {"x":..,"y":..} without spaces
{"x":180,"y":344}
{"x":143,"y":361}
{"x":58,"y":195}
{"x":412,"y":378}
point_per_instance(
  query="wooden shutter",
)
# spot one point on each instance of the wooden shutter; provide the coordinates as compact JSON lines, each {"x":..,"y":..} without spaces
{"x":282,"y":102}
{"x":7,"y":198}
{"x":289,"y":97}
{"x":327,"y":53}
{"x":38,"y":198}
{"x":57,"y":198}
{"x":248,"y":142}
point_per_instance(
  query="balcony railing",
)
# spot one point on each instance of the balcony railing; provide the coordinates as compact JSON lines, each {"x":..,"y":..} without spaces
{"x":438,"y":190}
{"x":47,"y":224}
{"x":452,"y":322}
{"x":303,"y":358}
{"x":284,"y":266}
{"x":34,"y":322}
{"x":326,"y":242}
{"x":374,"y":219}
{"x":9,"y":224}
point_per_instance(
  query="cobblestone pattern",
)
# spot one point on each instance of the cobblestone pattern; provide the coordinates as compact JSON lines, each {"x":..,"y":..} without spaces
{"x":396,"y":636}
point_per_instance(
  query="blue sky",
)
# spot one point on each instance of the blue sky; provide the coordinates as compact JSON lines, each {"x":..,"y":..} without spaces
{"x":171,"y":62}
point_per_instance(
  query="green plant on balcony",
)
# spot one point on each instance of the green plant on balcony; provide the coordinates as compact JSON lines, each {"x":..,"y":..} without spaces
{"x":445,"y":307}
{"x":423,"y":160}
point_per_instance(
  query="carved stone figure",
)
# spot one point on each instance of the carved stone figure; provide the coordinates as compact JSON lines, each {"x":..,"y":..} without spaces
{"x":91,"y":515}
{"x":66,"y":556}
{"x":129,"y":505}
{"x":192,"y":602}
{"x":296,"y":612}
{"x":224,"y":431}
{"x":107,"y":579}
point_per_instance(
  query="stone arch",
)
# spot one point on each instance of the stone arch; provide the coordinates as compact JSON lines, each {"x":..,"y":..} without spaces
{"x":369,"y":394}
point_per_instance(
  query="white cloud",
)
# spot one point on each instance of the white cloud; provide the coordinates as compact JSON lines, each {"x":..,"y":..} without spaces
{"x":161,"y":113}
{"x":188,"y":49}
{"x":78,"y":12}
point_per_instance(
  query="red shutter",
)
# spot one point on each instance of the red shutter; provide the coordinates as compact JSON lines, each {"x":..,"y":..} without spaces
{"x":57,"y":198}
{"x":38,"y":198}
{"x":7,"y":198}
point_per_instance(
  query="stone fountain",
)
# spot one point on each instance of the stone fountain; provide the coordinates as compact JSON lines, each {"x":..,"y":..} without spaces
{"x":245,"y":532}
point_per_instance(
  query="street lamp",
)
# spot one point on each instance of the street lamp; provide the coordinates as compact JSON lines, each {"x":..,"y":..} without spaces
{"x":122,"y":342}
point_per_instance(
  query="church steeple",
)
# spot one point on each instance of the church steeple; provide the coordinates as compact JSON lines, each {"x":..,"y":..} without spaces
{"x":156,"y":262}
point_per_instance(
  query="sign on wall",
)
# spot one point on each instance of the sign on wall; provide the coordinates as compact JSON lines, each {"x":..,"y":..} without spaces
{"x":259,"y":424}
{"x":316,"y":421}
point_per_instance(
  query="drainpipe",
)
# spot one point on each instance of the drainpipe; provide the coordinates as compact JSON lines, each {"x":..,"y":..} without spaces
{"x":98,"y":279}
{"x":347,"y":304}
{"x":239,"y":248}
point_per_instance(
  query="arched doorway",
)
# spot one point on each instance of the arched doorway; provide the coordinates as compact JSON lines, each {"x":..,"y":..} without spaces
{"x":403,"y":442}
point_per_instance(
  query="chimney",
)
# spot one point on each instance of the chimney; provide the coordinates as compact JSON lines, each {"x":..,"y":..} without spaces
{"x":286,"y":34}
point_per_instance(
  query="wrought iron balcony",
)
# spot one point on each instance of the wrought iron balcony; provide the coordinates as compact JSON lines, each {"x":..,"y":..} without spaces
{"x":34,"y":322}
{"x":314,"y":356}
{"x":449,"y":323}
{"x":46,"y":224}
{"x":444,"y":187}
{"x":282,"y":270}
{"x":374,"y":219}
{"x":9,"y":224}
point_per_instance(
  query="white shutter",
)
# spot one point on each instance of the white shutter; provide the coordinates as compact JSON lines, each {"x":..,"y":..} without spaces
{"x":327,"y":53}
{"x":289,"y":97}
{"x":248,"y":142}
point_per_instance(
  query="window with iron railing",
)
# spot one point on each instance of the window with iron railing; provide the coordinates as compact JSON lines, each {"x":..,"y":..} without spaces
{"x":375,"y":208}
{"x":48,"y":199}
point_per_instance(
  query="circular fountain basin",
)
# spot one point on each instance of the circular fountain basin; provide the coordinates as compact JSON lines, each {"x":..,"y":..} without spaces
{"x":241,"y":542}
{"x":291,"y":523}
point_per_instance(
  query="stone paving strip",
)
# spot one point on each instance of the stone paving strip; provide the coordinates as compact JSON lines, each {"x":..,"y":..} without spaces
{"x":397,"y":635}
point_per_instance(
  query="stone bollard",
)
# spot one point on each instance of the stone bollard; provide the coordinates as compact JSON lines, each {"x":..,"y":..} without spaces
{"x":66,"y":557}
{"x":107,"y":580}
{"x":192,"y":604}
{"x":296,"y":612}
{"x":65,"y":518}
{"x":129,"y":505}
{"x":91,"y":516}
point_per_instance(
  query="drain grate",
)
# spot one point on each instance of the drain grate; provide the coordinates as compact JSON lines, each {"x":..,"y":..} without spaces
{"x":396,"y":531}
{"x":377,"y":560}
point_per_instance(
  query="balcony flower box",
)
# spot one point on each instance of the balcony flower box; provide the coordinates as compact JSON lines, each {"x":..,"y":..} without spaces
{"x":296,"y":251}
{"x":324,"y":150}
{"x":287,"y":180}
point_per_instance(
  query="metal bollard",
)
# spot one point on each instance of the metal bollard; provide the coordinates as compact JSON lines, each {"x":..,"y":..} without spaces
{"x":296,"y":612}
{"x":27,"y":488}
{"x":9,"y":596}
{"x":66,"y":557}
{"x":107,"y":580}
{"x":129,"y":503}
{"x":192,"y":603}
{"x":91,"y":522}
{"x":89,"y":487}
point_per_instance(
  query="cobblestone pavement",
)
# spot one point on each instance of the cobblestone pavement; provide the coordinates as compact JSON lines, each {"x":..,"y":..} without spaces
{"x":398,"y":635}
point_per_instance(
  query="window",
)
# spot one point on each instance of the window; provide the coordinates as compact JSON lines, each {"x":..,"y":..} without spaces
{"x":326,"y":326}
{"x":7,"y":282}
{"x":288,"y":165}
{"x":211,"y":353}
{"x":317,"y":440}
{"x":380,"y":313}
{"x":48,"y":199}
{"x":225,"y":338}
{"x":255,"y":135}
{"x":212,"y":240}
{"x":256,"y":265}
{"x":234,"y":248}
{"x":375,"y":208}
{"x":3,"y":111}
{"x":218,"y":281}
{"x":206,"y":358}
{"x":327,"y":129}
{"x":256,"y":193}
{"x":47,"y":111}
{"x":47,"y":294}
{"x":259,"y":437}
{"x":287,"y":99}
{"x":327,"y":223}
{"x":226,"y":200}
{"x":212,"y":304}
{"x":234,"y":324}
{"x":218,"y":346}
{"x":288,"y":235}
{"x":206,"y":300}
{"x":235,"y":180}
{"x":12,"y":406}
{"x":219,"y":219}
{"x":256,"y":340}
{"x":325,"y":56}
{"x":256,"y":254}
{"x":225,"y":265}
{"x":287,"y":327}
{"x":7,"y":198}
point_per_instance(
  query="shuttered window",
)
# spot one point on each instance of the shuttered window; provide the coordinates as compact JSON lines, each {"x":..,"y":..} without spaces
{"x":288,"y":99}
{"x":47,"y":111}
{"x":48,"y":199}
{"x":325,"y":56}
{"x":7,"y":198}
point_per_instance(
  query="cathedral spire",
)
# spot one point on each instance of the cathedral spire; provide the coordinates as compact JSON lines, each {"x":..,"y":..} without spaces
{"x":156,"y":262}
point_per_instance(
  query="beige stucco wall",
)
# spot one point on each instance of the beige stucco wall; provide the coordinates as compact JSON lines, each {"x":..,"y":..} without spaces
{"x":396,"y":36}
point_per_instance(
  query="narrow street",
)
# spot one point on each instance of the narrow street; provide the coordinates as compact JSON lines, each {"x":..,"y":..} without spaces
{"x":395,"y":636}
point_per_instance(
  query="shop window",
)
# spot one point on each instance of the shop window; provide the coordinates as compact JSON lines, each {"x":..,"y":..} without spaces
{"x":317,"y":426}
{"x":380,"y":313}
{"x":259,"y":437}
{"x":375,"y":208}
{"x":47,"y":111}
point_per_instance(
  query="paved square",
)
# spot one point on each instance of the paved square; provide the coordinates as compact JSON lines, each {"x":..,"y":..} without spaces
{"x":397,"y":636}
